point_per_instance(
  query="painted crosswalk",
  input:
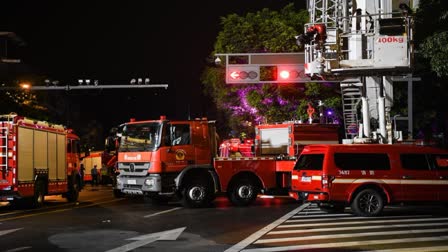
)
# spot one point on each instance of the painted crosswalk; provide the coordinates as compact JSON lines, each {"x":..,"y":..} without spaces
{"x":311,"y":228}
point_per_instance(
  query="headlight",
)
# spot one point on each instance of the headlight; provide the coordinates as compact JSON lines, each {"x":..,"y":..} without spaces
{"x":150,"y":182}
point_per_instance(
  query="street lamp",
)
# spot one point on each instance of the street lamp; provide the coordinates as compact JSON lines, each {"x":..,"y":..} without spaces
{"x":25,"y":86}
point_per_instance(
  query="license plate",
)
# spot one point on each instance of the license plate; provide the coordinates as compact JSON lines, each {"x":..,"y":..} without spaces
{"x":306,"y":179}
{"x":132,"y":182}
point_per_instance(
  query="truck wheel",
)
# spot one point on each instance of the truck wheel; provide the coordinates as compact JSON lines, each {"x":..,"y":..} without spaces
{"x":368,"y":203}
{"x":243,"y":192}
{"x":38,"y":198}
{"x":197,"y":194}
{"x":73,"y":193}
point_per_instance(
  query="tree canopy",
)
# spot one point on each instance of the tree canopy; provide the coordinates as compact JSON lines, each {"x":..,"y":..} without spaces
{"x":241,"y":106}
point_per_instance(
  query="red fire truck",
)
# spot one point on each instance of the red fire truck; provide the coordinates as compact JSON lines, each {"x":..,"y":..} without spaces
{"x":367,"y":177}
{"x":163,"y":158}
{"x":94,"y":158}
{"x":37,"y":159}
{"x":102,"y":160}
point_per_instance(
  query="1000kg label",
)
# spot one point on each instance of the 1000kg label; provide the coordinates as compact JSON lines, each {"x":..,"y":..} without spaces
{"x":390,"y":40}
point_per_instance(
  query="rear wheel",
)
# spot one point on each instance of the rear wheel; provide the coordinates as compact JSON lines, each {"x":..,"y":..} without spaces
{"x":243,"y":192}
{"x":197,"y":193}
{"x":368,"y":202}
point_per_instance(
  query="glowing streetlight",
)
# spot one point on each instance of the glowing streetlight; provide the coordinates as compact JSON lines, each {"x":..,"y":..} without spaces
{"x":25,"y":85}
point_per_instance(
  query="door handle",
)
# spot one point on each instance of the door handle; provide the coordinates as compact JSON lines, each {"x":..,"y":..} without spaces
{"x":406,"y":177}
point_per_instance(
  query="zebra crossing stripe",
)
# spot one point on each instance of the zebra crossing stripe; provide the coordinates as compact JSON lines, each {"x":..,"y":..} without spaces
{"x":320,"y":215}
{"x":360,"y":222}
{"x":419,"y":249}
{"x":349,"y":244}
{"x":255,"y":236}
{"x":311,"y":212}
{"x":356,"y":218}
{"x":343,"y":236}
{"x":311,"y":209}
{"x":303,"y":231}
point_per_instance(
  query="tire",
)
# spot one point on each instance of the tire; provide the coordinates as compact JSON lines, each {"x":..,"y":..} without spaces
{"x":197,"y":193}
{"x":73,"y":193}
{"x":243,"y":192}
{"x":368,"y":203}
{"x":38,"y":199}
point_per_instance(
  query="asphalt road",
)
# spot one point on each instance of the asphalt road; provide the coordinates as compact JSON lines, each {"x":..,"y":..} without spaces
{"x":99,"y":222}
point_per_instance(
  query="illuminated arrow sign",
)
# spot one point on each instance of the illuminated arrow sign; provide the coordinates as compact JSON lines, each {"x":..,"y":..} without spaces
{"x":170,"y":235}
{"x":242,"y":74}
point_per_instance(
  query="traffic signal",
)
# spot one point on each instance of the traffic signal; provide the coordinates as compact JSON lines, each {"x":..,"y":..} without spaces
{"x":280,"y":73}
{"x":242,"y":74}
{"x":291,"y":73}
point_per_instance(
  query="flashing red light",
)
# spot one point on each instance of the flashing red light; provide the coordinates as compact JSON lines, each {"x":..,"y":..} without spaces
{"x":132,"y":120}
{"x":289,"y":75}
{"x":284,"y":74}
{"x":162,"y":118}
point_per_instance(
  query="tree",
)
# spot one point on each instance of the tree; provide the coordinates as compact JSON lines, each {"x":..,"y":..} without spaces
{"x":245,"y":105}
{"x":432,"y":66}
{"x":434,"y":38}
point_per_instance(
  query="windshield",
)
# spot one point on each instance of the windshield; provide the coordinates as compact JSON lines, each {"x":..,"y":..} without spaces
{"x":140,"y":137}
{"x":310,"y":162}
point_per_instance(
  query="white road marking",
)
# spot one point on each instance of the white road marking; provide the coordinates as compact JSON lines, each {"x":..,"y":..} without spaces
{"x":419,"y":249}
{"x":4,"y":232}
{"x":142,"y":240}
{"x":299,"y":220}
{"x":351,"y":235}
{"x":162,"y":212}
{"x":19,"y":249}
{"x":361,"y":222}
{"x":321,"y":215}
{"x":311,"y":209}
{"x":302,"y":231}
{"x":255,"y":236}
{"x":349,"y":244}
{"x":308,"y":212}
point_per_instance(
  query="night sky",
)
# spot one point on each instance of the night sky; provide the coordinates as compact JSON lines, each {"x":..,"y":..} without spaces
{"x":115,"y":41}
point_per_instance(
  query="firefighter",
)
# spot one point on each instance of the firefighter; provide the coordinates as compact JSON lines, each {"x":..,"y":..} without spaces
{"x":104,"y":175}
{"x":94,"y":173}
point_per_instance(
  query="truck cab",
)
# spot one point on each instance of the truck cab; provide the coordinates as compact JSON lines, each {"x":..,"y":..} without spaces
{"x":154,"y":155}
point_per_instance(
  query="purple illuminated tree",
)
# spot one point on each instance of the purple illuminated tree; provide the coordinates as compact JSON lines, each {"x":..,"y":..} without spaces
{"x":242,"y":106}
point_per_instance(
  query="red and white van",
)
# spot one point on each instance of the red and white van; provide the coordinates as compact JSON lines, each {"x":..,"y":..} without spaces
{"x":368,"y":176}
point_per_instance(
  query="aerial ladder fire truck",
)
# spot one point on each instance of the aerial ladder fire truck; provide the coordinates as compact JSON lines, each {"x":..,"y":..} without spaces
{"x":363,"y":44}
{"x":152,"y":162}
{"x":37,"y":158}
